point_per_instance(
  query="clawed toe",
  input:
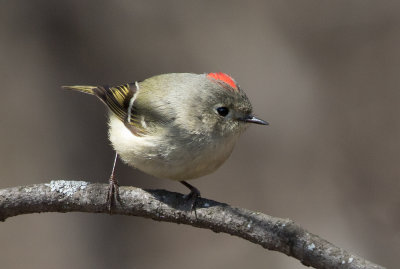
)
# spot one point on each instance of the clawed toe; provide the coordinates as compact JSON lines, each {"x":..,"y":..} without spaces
{"x":112,"y":194}
{"x":191,"y":197}
{"x":113,"y":189}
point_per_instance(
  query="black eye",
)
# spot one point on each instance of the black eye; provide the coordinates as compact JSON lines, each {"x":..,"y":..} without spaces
{"x":223,"y":111}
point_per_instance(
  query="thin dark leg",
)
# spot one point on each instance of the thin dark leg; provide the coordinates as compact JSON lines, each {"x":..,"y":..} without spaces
{"x":193,"y":195}
{"x":113,"y":187}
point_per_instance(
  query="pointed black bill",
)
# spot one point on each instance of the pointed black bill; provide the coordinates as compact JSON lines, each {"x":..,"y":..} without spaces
{"x":255,"y":120}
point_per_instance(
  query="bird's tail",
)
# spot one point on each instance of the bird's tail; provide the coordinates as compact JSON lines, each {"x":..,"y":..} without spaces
{"x":119,"y":99}
{"x":84,"y":89}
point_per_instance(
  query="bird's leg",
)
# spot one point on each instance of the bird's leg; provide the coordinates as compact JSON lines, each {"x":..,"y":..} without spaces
{"x":113,"y":188}
{"x":193,"y":195}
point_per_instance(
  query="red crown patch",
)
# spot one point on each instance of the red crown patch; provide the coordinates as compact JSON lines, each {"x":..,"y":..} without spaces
{"x":222,"y":77}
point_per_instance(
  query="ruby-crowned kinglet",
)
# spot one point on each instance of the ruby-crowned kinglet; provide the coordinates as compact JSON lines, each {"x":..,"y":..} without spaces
{"x":178,"y":126}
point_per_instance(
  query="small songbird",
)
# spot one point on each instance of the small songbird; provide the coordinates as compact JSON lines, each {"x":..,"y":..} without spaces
{"x":178,"y":126}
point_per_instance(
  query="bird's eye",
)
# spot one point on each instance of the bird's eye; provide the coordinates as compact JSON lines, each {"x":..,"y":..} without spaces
{"x":223,"y":111}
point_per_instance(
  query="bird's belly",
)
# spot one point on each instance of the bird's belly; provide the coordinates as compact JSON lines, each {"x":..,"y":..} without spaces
{"x":175,"y":167}
{"x":173,"y":159}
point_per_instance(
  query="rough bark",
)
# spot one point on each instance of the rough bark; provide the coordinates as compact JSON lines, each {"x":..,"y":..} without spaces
{"x":272,"y":233}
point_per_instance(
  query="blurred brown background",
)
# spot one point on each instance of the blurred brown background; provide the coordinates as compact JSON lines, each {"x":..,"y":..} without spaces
{"x":325,"y":74}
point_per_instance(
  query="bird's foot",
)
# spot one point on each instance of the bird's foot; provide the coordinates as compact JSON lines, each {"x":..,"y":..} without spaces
{"x":113,"y":193}
{"x":191,"y":197}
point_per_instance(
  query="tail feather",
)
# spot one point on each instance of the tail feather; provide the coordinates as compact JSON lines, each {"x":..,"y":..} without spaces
{"x":118,"y":99}
{"x":84,"y":89}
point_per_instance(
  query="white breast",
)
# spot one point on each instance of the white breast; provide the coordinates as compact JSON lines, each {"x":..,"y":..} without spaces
{"x":172,"y":158}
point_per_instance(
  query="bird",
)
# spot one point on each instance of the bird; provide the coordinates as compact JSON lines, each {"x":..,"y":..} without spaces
{"x":177,"y":126}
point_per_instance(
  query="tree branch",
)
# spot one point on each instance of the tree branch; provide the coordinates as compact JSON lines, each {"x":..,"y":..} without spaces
{"x":273,"y":233}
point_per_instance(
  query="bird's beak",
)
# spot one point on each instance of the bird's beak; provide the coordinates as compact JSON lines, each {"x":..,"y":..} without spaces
{"x":255,"y":120}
